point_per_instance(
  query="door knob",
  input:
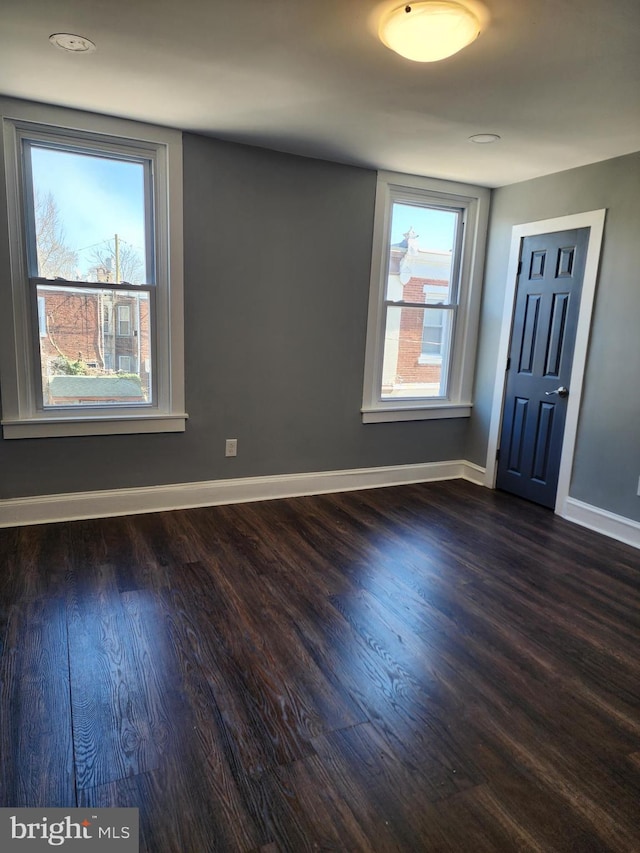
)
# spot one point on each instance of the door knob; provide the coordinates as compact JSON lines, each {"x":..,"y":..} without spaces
{"x":561,"y":392}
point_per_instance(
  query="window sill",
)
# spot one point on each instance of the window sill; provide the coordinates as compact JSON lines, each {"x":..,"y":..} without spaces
{"x":415,"y":413}
{"x":96,"y":425}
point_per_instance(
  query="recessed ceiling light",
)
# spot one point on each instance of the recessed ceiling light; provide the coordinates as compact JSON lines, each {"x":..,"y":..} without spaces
{"x":72,"y":43}
{"x":484,"y":138}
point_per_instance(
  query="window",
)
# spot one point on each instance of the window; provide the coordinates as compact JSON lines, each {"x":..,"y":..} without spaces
{"x":432,"y":337}
{"x":429,"y":239}
{"x":96,"y":249}
{"x":124,"y":321}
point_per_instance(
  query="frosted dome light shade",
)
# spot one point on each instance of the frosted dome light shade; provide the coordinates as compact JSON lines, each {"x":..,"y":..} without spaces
{"x":429,"y":31}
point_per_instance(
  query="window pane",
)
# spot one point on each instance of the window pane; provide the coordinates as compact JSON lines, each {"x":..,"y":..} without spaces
{"x":416,"y":352}
{"x":420,"y":253}
{"x":89,"y":216}
{"x":86,"y":360}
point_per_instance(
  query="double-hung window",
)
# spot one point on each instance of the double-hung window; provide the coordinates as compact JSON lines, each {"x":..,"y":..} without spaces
{"x":428,"y":253}
{"x":124,"y":320}
{"x":95,"y":231}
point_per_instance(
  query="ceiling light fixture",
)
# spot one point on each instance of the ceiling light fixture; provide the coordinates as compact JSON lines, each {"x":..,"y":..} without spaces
{"x":72,"y":43}
{"x":432,"y":30}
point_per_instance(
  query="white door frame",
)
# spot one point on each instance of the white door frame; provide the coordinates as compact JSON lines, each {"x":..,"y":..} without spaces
{"x":593,"y":219}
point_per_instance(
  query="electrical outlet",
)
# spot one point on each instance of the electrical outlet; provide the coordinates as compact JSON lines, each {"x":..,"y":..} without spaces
{"x":231,"y":447}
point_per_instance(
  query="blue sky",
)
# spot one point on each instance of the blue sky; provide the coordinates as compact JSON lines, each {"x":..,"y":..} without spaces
{"x":96,"y":197}
{"x":435,"y":227}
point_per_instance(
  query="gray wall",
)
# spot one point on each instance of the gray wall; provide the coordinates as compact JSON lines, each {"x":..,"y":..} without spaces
{"x":607,"y":461}
{"x":277,"y":257}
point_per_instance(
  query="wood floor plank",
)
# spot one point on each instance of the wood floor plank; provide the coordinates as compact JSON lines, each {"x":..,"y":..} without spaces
{"x":108,"y":720}
{"x":271,"y":697}
{"x":532,"y":817}
{"x":121,"y":722}
{"x":181,"y":745}
{"x":9,"y":579}
{"x":214,"y":684}
{"x":387,"y":795}
{"x":572,"y":780}
{"x":304,"y":809}
{"x":176,"y":813}
{"x":36,"y":751}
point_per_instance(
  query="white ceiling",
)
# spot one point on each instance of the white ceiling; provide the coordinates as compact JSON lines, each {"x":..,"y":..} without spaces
{"x":557,"y":79}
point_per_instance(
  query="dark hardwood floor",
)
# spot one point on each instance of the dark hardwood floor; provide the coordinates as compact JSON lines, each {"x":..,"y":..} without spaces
{"x":422,"y":668}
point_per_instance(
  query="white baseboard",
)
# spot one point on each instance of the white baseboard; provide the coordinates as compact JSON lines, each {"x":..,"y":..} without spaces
{"x":471,"y":472}
{"x":602,"y":521}
{"x":99,"y":504}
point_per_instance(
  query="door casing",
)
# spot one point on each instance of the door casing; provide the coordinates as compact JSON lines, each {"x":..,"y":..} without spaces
{"x":593,"y":219}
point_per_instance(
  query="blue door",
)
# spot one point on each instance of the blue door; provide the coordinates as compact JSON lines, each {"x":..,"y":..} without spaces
{"x":543,"y":335}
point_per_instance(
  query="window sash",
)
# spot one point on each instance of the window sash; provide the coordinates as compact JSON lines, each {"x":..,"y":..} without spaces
{"x":456,"y":251}
{"x":444,"y":358}
{"x":58,"y":141}
{"x":90,"y":286}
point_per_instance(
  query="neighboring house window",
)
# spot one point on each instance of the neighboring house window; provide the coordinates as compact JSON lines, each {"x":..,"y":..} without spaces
{"x":432,"y":335}
{"x":429,"y":239}
{"x":95,"y":221}
{"x":124,"y":321}
{"x":124,"y":363}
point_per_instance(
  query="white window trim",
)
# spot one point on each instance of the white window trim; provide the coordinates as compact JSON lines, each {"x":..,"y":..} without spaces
{"x":21,"y":417}
{"x":475,"y":202}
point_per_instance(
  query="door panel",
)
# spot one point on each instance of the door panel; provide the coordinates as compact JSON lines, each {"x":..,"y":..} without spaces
{"x":557,"y":334}
{"x":541,"y":355}
{"x":540,"y":469}
{"x":529,"y":333}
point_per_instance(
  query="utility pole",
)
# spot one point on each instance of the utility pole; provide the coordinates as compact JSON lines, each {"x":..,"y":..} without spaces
{"x":117,"y":240}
